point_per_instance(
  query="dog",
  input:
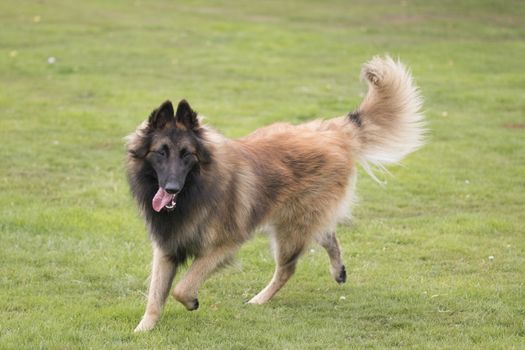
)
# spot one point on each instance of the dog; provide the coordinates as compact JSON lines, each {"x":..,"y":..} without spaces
{"x":202,"y":195}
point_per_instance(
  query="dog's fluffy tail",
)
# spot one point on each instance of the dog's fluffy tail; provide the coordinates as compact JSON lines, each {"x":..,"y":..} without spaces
{"x":388,"y":123}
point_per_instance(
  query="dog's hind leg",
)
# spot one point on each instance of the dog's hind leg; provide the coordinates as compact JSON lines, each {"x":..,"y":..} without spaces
{"x":162,"y":274}
{"x":288,"y":248}
{"x":282,"y":274}
{"x":186,"y":291}
{"x":329,"y":242}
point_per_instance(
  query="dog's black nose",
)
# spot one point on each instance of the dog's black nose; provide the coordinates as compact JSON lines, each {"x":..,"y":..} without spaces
{"x":172,"y":188}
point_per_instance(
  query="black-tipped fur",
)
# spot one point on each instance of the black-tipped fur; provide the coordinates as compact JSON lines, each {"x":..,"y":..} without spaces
{"x":342,"y":275}
{"x":355,"y":118}
{"x":161,"y":116}
{"x":186,"y":115}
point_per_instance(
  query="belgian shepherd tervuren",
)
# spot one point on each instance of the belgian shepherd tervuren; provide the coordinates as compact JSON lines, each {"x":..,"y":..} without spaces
{"x":202,"y":195}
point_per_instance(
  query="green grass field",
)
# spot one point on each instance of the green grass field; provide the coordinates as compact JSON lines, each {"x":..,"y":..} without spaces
{"x":74,"y":255}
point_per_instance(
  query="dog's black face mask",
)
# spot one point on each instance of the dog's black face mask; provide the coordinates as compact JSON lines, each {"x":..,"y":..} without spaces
{"x":174,"y":151}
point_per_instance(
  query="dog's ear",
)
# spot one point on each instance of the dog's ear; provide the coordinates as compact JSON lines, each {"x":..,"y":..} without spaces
{"x":186,"y":116}
{"x":161,"y":116}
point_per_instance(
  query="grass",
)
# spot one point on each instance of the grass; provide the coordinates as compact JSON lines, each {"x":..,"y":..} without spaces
{"x":74,"y":255}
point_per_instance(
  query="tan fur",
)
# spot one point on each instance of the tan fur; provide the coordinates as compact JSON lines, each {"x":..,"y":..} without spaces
{"x":392,"y":122}
{"x":298,"y":181}
{"x":162,"y":275}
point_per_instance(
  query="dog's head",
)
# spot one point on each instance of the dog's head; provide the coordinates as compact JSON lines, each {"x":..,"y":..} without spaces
{"x":169,"y":147}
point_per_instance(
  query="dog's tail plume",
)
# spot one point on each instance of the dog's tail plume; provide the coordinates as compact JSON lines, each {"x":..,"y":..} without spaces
{"x":388,"y":122}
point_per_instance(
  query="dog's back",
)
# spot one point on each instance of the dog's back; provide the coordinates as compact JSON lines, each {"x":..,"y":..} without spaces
{"x":316,"y":162}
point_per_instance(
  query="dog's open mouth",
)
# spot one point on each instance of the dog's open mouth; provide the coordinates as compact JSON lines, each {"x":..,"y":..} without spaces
{"x":164,"y":200}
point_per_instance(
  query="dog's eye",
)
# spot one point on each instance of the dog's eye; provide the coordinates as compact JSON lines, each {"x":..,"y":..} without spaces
{"x":184,"y":153}
{"x":162,"y":152}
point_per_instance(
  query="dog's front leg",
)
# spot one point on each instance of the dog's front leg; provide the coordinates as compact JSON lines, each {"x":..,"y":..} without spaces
{"x":162,"y":274}
{"x":186,"y":291}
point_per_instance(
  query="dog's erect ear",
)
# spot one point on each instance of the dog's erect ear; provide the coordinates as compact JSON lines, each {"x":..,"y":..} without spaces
{"x":161,"y":116}
{"x":186,"y":116}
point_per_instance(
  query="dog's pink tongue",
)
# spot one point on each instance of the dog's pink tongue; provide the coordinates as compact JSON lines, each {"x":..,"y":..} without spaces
{"x":161,"y":199}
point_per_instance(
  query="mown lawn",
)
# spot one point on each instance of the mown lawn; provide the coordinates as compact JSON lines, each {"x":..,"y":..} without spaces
{"x":435,"y":259}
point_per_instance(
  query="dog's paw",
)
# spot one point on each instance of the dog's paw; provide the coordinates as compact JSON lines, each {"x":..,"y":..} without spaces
{"x":187,"y":298}
{"x":193,"y":305}
{"x":257,"y":300}
{"x":189,"y":303}
{"x":341,"y":278}
{"x":146,"y":324}
{"x":254,"y":301}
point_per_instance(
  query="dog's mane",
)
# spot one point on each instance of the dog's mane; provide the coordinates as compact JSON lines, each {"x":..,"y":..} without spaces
{"x":176,"y":228}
